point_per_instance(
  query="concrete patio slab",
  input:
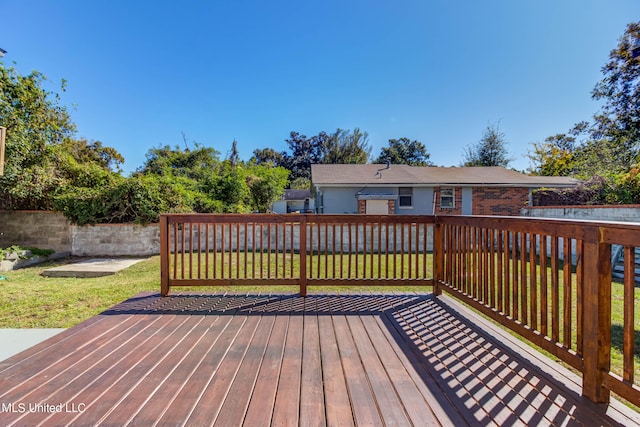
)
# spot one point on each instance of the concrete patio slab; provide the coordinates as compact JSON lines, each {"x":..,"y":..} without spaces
{"x":96,"y":267}
{"x":16,"y":340}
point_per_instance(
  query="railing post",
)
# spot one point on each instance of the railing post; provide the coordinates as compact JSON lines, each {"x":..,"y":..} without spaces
{"x":164,"y":256}
{"x":596,"y":316}
{"x":303,"y":255}
{"x":438,"y":254}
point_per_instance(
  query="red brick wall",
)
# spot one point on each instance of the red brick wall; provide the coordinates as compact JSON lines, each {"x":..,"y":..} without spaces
{"x":362,"y":207}
{"x":457,"y":204}
{"x":499,"y":200}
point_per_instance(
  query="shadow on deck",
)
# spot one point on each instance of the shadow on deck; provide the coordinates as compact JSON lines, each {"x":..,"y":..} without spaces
{"x":383,"y":359}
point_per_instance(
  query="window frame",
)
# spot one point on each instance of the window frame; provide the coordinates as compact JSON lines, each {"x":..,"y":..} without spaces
{"x":451,"y":196}
{"x":401,"y":196}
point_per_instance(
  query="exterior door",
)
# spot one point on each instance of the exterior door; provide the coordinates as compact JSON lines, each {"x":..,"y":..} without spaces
{"x":467,"y":201}
{"x":377,"y":207}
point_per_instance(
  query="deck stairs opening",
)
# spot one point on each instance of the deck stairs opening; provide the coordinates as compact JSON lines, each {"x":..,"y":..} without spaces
{"x":618,"y":265}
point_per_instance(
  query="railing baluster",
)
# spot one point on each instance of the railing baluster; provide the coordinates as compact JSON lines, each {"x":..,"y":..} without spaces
{"x":409,"y":263}
{"x":182,"y":249}
{"x":492,"y":268}
{"x":215,"y":250}
{"x":319,"y":249}
{"x":262,"y":250}
{"x":579,"y":294}
{"x":175,"y":250}
{"x":507,"y":273}
{"x":230,"y":250}
{"x":478,"y":267}
{"x":379,"y":249}
{"x":386,"y":251}
{"x":253,"y":250}
{"x":292,"y":244}
{"x":357,"y":250}
{"x":524,"y":306}
{"x":206,"y":257}
{"x":364,"y":249}
{"x":341,"y":247}
{"x":311,"y":253}
{"x":628,"y":347}
{"x":515,"y":276}
{"x":555,"y":291}
{"x":499,"y":272}
{"x":544,"y":287}
{"x":567,"y":294}
{"x":533,"y":279}
{"x":268,"y":250}
{"x":277,"y":250}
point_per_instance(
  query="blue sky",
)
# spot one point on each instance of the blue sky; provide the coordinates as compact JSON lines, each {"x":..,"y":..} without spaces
{"x":140,"y":73}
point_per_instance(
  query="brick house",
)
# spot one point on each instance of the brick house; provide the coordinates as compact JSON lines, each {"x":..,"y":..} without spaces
{"x":431,"y":190}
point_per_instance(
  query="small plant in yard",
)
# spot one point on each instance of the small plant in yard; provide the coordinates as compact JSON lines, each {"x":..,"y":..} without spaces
{"x":24,"y":252}
{"x":6,"y":251}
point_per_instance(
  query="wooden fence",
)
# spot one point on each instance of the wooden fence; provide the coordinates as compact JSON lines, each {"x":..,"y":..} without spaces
{"x":548,"y":280}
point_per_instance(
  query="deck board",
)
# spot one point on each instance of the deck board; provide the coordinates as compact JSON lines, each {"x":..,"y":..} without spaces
{"x":260,"y":360}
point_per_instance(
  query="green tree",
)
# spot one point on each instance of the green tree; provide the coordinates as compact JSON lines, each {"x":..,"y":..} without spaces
{"x":300,"y":184}
{"x":618,"y":122}
{"x":406,"y":152}
{"x":197,"y":164}
{"x":491,"y":150}
{"x":232,"y":190}
{"x":266,"y":185}
{"x":93,"y":152}
{"x":550,"y":160}
{"x":346,"y":147}
{"x":43,"y":159}
{"x":36,"y":122}
{"x":234,"y":156}
{"x":264,"y":156}
{"x":304,"y":152}
{"x":557,"y":155}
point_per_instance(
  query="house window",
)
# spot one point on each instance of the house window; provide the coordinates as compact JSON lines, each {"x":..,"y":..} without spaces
{"x":446,"y":198}
{"x":405,"y":199}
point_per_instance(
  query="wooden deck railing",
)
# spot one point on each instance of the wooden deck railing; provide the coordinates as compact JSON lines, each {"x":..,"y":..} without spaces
{"x":548,"y":280}
{"x":300,"y":250}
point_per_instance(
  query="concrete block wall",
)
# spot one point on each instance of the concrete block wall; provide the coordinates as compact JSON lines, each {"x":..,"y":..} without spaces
{"x":115,"y":240}
{"x":625,"y":213}
{"x":45,"y":230}
{"x":51,"y":230}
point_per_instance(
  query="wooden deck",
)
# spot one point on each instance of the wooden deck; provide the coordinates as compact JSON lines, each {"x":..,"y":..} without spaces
{"x":230,"y":360}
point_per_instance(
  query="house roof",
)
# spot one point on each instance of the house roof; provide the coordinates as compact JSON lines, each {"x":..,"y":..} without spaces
{"x":378,"y":174}
{"x":296,"y":195}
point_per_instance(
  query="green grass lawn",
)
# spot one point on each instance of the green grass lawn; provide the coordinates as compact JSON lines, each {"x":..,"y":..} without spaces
{"x":30,"y":300}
